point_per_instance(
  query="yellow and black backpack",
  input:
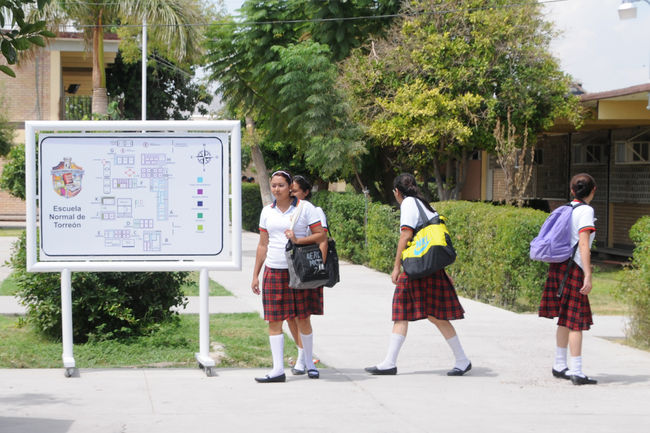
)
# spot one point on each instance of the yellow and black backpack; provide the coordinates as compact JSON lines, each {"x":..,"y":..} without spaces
{"x":430,"y":249}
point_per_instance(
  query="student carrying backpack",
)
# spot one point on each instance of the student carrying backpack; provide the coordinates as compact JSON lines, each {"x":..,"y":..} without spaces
{"x":565,"y":242}
{"x":553,"y":244}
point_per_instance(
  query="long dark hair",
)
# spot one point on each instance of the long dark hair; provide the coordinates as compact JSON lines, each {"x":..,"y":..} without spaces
{"x":304,"y":185}
{"x":406,"y":184}
{"x":582,"y":185}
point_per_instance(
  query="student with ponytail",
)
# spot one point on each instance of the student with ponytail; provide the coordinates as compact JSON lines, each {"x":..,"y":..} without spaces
{"x":572,"y":308}
{"x":432,"y":297}
{"x":280,"y":301}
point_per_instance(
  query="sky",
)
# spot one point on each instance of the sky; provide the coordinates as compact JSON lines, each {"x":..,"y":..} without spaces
{"x":595,"y":47}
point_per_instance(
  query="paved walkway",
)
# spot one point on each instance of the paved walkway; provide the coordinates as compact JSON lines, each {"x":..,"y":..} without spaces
{"x":510,"y":388}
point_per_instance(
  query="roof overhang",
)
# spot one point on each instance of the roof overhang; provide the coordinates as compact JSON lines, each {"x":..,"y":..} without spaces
{"x":612,"y":109}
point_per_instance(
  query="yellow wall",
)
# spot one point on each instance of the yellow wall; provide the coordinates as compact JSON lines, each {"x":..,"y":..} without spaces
{"x":623,"y":110}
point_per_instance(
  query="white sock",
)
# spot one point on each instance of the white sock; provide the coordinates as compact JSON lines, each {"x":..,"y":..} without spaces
{"x":394,"y":346}
{"x":300,"y":361}
{"x":277,"y":351}
{"x":575,"y":367}
{"x":308,"y":350}
{"x":560,"y":358}
{"x":461,"y":359}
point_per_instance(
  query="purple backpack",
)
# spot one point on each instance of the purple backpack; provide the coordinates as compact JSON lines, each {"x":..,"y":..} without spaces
{"x":553,"y":243}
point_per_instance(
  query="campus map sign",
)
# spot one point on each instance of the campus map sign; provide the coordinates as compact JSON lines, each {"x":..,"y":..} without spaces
{"x":132,"y":196}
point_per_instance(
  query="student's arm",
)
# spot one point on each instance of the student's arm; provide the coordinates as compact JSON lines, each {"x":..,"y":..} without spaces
{"x":260,"y":257}
{"x":406,"y":234}
{"x":585,"y":255}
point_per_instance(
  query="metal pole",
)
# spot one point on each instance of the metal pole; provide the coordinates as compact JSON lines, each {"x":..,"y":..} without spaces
{"x":66,"y":318}
{"x":144,"y":69}
{"x":203,"y":357}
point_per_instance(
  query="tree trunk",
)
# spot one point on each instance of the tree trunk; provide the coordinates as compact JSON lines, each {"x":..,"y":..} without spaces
{"x":100,"y":98}
{"x":258,"y":162}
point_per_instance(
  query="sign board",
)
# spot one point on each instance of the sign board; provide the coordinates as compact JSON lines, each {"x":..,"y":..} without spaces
{"x":101,"y":197}
{"x":131,"y":196}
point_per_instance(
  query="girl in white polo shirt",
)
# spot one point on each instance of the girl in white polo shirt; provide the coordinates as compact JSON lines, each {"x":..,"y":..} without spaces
{"x":279,"y":300}
{"x":432,"y":297}
{"x":572,"y":309}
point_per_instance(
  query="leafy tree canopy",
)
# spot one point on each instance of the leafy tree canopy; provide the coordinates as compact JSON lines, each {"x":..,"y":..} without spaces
{"x":24,"y":34}
{"x":477,"y":60}
{"x":172,"y":92}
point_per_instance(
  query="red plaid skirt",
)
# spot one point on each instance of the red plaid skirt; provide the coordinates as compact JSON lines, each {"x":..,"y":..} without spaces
{"x":573,"y":310}
{"x":429,"y":296}
{"x":282,"y":302}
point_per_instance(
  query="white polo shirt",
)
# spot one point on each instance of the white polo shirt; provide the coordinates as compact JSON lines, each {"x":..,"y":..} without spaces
{"x":410,"y":215}
{"x":275,"y":223}
{"x":582,"y":219}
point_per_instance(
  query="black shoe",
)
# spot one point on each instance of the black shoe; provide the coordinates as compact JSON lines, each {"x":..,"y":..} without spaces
{"x":458,"y":372}
{"x":561,"y":374}
{"x":376,"y":371}
{"x":268,"y":379}
{"x":583,"y":380}
{"x":298,"y":372}
{"x":313,"y":374}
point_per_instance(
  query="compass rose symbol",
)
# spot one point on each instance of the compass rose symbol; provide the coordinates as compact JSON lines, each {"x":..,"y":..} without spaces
{"x":204,"y":157}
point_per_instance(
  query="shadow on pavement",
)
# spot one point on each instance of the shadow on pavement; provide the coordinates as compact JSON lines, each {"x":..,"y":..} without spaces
{"x":32,"y":425}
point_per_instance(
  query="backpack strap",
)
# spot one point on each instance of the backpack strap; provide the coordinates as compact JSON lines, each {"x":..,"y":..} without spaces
{"x":423,"y":217}
{"x":560,"y":290}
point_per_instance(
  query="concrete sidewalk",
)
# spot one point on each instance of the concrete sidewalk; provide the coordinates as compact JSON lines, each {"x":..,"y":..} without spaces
{"x":510,"y":388}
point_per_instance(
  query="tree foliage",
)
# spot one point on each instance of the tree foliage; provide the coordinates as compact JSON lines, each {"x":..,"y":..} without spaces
{"x":24,"y":34}
{"x":491,"y":53}
{"x":168,"y":21}
{"x":171,"y":91}
{"x":276,"y":67}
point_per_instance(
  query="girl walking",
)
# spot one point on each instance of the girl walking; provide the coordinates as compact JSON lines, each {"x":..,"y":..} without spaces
{"x":279,"y":300}
{"x":432,"y":297}
{"x":572,"y":308}
{"x":301,"y":189}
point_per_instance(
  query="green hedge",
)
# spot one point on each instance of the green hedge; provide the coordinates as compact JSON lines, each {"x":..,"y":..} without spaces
{"x":251,"y":207}
{"x":345,"y":217}
{"x":636,"y":285}
{"x":492,"y":243}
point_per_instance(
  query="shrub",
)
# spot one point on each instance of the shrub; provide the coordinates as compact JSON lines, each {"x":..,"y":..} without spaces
{"x":251,"y":207}
{"x":493,"y":243}
{"x":13,"y":172}
{"x":383,"y":234}
{"x":636,"y":284}
{"x":345,"y":217}
{"x":105,"y":305}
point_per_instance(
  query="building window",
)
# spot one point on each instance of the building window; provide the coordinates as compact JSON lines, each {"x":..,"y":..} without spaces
{"x":632,"y":152}
{"x":588,"y":153}
{"x":538,"y":158}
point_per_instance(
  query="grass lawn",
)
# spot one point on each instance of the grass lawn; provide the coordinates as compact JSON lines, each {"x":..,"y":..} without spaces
{"x":602,"y":298}
{"x":11,"y":232}
{"x":8,"y":287}
{"x":241,"y":338}
{"x":192,"y":287}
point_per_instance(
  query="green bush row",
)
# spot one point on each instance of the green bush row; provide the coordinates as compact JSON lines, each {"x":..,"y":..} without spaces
{"x":492,"y":243}
{"x":636,"y":284}
{"x":251,"y":207}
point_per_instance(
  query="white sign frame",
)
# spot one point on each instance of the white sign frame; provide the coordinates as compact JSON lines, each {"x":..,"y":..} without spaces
{"x":182,"y":264}
{"x":153,"y":264}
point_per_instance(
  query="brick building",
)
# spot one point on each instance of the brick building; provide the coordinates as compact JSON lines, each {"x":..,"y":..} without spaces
{"x":45,"y":81}
{"x":613,"y":146}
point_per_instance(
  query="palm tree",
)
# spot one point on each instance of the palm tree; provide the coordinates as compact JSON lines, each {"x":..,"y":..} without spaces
{"x":171,"y":23}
